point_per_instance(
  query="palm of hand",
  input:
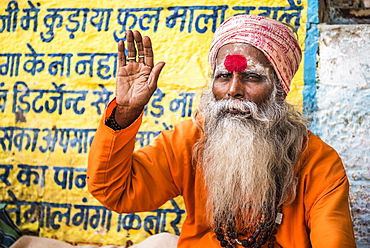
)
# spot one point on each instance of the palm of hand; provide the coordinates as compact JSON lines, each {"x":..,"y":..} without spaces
{"x":134,"y":85}
{"x":137,"y":75}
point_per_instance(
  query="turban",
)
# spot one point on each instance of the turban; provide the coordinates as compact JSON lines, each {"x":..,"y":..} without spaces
{"x":274,"y":39}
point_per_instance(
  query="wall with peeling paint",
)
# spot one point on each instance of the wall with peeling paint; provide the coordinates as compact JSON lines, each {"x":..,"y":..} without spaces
{"x":342,"y":111}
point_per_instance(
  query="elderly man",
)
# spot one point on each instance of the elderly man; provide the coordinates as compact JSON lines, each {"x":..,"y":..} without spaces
{"x":250,"y":173}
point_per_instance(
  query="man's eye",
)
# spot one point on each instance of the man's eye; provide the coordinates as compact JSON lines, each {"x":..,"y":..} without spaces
{"x":223,"y":75}
{"x":253,"y":77}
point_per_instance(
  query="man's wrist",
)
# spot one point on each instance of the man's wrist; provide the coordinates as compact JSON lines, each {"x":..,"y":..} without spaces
{"x":125,"y":116}
{"x":111,"y":121}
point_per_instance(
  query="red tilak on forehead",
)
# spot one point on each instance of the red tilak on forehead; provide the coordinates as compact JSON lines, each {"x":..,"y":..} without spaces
{"x":235,"y":62}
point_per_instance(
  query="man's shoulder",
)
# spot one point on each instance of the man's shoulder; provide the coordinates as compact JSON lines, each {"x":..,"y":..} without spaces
{"x":186,"y":129}
{"x":186,"y":123}
{"x":316,"y":146}
{"x":320,"y":160}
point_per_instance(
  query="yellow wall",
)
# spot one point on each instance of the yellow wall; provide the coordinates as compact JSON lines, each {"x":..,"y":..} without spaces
{"x":57,"y":68}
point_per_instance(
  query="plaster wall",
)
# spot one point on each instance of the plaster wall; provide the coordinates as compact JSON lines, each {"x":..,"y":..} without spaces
{"x":343,"y":109}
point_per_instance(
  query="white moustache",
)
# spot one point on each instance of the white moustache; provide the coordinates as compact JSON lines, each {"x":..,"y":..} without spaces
{"x":236,"y":107}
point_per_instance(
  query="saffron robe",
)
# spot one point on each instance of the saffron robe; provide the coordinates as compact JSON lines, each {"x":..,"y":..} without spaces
{"x":129,"y":181}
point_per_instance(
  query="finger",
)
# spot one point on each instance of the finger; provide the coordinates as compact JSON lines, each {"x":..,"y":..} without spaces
{"x":154,"y":75}
{"x":148,"y":52}
{"x":139,"y":46}
{"x":131,"y":54}
{"x":121,"y":54}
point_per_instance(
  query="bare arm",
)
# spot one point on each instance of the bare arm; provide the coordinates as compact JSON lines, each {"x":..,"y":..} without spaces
{"x":136,"y":78}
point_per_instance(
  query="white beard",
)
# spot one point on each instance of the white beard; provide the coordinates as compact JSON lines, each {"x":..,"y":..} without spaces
{"x":241,"y":163}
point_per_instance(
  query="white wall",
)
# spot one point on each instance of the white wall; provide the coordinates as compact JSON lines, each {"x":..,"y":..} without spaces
{"x":342,"y":118}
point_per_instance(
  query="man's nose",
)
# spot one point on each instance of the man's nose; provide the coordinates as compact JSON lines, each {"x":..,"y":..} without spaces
{"x":236,"y":89}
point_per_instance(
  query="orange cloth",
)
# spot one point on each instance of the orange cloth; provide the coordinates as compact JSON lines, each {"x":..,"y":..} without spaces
{"x":127,"y":181}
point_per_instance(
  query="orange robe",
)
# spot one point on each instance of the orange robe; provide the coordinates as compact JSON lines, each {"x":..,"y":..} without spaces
{"x":128,"y":181}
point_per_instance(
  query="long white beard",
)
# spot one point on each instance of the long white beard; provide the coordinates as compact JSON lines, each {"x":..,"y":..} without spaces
{"x":240,"y":161}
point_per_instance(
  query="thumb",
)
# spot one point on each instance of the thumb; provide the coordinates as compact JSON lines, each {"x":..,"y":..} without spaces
{"x":154,"y":74}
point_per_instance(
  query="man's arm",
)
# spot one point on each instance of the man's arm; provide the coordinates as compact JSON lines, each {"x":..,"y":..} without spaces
{"x":116,"y":176}
{"x":128,"y":181}
{"x":330,"y":219}
{"x":326,"y":190}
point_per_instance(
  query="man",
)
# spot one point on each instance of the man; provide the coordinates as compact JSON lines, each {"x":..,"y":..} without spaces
{"x":250,"y":173}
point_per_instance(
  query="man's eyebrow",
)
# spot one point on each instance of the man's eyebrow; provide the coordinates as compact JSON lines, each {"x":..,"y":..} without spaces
{"x":247,"y":71}
{"x":222,"y":71}
{"x":252,"y":72}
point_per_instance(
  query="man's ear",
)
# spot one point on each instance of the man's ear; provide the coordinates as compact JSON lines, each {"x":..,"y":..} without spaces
{"x":280,"y":93}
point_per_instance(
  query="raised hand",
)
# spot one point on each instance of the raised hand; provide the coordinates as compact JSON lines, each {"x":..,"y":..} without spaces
{"x":136,"y":78}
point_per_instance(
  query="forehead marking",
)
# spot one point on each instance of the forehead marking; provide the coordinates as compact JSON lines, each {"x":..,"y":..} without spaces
{"x":235,"y":62}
